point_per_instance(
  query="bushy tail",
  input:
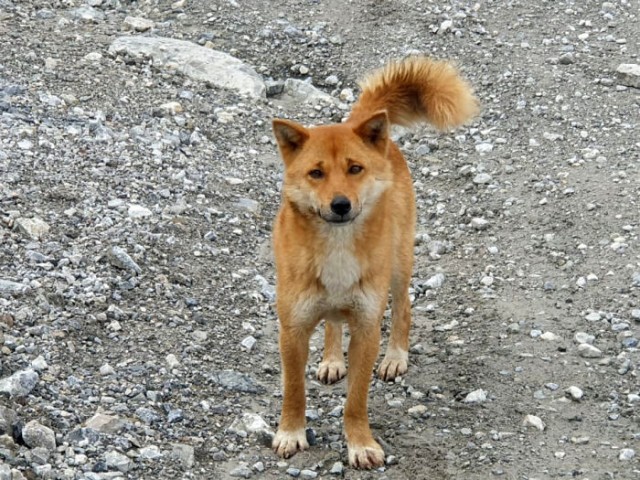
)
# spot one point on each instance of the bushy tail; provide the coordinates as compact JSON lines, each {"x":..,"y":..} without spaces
{"x":417,"y":89}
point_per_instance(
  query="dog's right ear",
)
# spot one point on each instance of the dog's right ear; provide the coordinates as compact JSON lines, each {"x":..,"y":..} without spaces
{"x":291,"y":136}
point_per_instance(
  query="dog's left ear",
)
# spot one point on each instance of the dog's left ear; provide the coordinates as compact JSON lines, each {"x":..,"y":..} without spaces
{"x":291,"y":136}
{"x":375,"y":130}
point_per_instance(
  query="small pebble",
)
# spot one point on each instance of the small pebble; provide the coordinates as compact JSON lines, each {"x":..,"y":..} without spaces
{"x":533,"y":421}
{"x":575,"y":393}
{"x":627,"y":454}
{"x":477,"y":396}
{"x":589,"y":351}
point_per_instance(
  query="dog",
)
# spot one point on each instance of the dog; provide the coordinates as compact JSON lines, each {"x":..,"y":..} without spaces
{"x":343,"y":239}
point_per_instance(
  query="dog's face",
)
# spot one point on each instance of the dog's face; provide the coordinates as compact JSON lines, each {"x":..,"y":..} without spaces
{"x":335,"y":172}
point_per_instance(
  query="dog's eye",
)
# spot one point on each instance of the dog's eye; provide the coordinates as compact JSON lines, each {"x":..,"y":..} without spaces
{"x":316,"y":174}
{"x":355,"y":169}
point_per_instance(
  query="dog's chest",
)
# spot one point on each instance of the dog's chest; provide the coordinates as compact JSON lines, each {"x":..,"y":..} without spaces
{"x":340,"y":273}
{"x":339,"y":269}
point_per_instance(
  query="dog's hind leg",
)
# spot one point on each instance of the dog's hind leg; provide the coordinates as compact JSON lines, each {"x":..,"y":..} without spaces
{"x":332,"y":367}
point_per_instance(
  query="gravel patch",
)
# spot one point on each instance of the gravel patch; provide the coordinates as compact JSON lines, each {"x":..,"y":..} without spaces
{"x":139,"y":180}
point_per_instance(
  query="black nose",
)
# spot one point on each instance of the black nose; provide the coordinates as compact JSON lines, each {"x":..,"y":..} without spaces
{"x":340,"y":205}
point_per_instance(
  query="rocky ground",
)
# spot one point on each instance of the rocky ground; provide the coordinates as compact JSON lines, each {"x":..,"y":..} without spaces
{"x":137,"y":334}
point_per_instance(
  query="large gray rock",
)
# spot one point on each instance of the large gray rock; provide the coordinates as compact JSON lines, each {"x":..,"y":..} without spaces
{"x":35,"y":228}
{"x":196,"y":62}
{"x":629,"y":74}
{"x":9,"y":288}
{"x":305,"y":92}
{"x":117,"y":461}
{"x":8,"y":419}
{"x":184,"y":454}
{"x":19,"y":384}
{"x":119,"y":258}
{"x":236,"y":381}
{"x":36,"y":435}
{"x":105,"y":423}
{"x":86,"y":13}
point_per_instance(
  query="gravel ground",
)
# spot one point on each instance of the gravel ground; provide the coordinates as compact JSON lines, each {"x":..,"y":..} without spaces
{"x":137,"y":334}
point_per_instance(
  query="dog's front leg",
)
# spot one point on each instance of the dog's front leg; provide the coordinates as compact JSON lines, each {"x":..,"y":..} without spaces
{"x":364,"y":451}
{"x":294,"y":350}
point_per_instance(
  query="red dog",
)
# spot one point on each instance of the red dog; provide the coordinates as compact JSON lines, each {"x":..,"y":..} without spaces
{"x":344,"y":238}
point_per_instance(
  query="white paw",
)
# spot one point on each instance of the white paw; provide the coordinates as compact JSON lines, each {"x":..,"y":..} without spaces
{"x":366,"y":456}
{"x":330,"y":371}
{"x":393,"y":365}
{"x":287,"y":444}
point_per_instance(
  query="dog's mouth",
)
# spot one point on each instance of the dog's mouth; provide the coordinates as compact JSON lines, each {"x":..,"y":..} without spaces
{"x":339,"y":220}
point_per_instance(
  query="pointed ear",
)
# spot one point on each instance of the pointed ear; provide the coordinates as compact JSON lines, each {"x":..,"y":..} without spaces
{"x":291,"y":136}
{"x":375,"y":130}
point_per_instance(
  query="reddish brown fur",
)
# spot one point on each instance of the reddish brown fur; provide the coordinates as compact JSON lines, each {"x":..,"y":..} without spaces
{"x":342,"y":273}
{"x":417,"y":89}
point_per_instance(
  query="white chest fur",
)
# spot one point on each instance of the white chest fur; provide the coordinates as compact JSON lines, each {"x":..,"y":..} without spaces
{"x":339,"y":267}
{"x":339,"y":272}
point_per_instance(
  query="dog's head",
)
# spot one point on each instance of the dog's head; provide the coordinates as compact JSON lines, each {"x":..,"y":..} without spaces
{"x":335,"y":172}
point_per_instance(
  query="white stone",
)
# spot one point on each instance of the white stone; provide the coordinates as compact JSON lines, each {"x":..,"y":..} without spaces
{"x":346,"y":95}
{"x":629,"y":74}
{"x":87,"y":13}
{"x":484,"y":148}
{"x":626,"y":454}
{"x":171,"y":108}
{"x":305,"y":92}
{"x":234,"y":181}
{"x":533,"y":421}
{"x":593,"y":317}
{"x":254,"y":423}
{"x":39,"y":363}
{"x":105,"y":423}
{"x":487,"y":281}
{"x":447,"y":326}
{"x":33,"y":227}
{"x":184,"y":453}
{"x":93,"y":57}
{"x":582,"y":337}
{"x":138,"y":24}
{"x":196,"y":62}
{"x":7,"y":287}
{"x":436,"y":281}
{"x":150,"y":453}
{"x":575,"y":393}
{"x":633,"y":398}
{"x":25,"y":144}
{"x":589,"y":351}
{"x":20,"y":383}
{"x":172,"y":361}
{"x":477,"y":396}
{"x":138,"y":211}
{"x":117,"y":461}
{"x":249,"y":342}
{"x":37,"y":435}
{"x":479,"y":223}
{"x":549,"y":336}
{"x":482,"y":178}
{"x":417,"y":411}
{"x":445,"y":26}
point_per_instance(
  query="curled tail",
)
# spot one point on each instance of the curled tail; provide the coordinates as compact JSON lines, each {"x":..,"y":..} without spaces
{"x":417,"y":89}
